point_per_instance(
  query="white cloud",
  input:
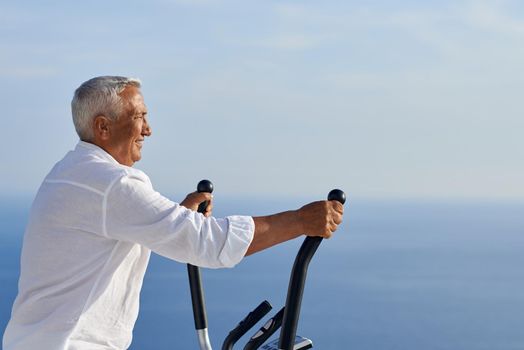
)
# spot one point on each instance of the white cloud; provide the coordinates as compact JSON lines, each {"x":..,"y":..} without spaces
{"x":494,"y":16}
{"x":442,"y":26}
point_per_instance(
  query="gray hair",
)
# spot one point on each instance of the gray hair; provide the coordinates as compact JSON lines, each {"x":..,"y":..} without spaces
{"x":98,"y":96}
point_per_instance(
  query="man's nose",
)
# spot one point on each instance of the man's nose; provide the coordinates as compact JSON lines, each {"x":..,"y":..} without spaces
{"x":146,"y":129}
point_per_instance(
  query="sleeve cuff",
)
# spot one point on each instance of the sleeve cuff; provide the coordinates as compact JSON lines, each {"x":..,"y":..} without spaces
{"x":240,"y":234}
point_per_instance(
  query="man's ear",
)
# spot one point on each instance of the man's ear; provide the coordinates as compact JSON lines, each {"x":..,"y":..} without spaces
{"x":102,"y":127}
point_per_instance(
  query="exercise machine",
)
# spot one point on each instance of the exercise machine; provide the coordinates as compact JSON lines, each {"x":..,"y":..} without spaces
{"x":286,"y":318}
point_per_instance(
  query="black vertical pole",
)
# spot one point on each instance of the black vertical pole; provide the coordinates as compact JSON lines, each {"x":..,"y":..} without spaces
{"x":197,"y":297}
{"x":297,"y":282}
{"x":195,"y":283}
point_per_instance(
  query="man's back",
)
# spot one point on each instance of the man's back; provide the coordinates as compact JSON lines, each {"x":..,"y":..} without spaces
{"x":71,"y":273}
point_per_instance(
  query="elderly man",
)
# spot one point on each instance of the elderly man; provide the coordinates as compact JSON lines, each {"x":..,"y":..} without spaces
{"x":96,"y":219}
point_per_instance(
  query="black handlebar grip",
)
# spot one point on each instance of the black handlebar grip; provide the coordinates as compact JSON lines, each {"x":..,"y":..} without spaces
{"x":204,"y":186}
{"x":337,"y":195}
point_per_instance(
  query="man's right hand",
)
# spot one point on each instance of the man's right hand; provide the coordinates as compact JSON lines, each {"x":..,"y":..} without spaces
{"x":321,"y":218}
{"x":314,"y":219}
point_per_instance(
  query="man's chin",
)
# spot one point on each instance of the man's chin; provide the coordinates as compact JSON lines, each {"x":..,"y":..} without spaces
{"x":137,"y":157}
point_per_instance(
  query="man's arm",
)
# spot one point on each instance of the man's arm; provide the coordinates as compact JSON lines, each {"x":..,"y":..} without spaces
{"x":314,"y":219}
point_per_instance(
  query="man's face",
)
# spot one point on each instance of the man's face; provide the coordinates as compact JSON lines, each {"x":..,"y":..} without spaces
{"x":131,"y":128}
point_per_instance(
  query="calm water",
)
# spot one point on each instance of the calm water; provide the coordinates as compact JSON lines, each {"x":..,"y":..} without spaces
{"x":398,"y":275}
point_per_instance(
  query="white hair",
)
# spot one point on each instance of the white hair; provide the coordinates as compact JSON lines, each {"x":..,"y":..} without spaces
{"x":98,"y":96}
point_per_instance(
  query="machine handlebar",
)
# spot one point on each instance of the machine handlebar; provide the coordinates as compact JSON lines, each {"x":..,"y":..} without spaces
{"x":297,"y":282}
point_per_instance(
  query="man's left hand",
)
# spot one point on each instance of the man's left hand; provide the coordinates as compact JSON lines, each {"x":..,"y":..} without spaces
{"x":192,"y":201}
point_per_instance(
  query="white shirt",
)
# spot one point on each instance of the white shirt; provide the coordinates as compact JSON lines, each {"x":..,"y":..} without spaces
{"x":91,"y":229}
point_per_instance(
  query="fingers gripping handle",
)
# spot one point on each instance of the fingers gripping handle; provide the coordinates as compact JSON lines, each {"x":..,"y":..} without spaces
{"x":204,"y":186}
{"x":297,"y":282}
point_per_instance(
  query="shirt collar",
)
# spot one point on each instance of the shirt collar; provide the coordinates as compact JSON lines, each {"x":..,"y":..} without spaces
{"x":98,"y":150}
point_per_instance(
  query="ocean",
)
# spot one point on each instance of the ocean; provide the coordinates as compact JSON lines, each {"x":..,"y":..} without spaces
{"x":407,"y":275}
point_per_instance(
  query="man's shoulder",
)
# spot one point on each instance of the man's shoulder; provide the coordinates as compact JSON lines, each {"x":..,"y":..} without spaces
{"x":91,"y":169}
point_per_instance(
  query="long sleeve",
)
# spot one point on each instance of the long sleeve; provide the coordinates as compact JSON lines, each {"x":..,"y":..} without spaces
{"x":134,"y":212}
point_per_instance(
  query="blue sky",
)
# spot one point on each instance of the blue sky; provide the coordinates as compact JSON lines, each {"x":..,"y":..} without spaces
{"x":380,"y":98}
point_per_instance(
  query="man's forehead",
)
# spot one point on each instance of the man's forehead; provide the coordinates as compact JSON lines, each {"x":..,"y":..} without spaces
{"x":132,"y":97}
{"x":130,"y":91}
